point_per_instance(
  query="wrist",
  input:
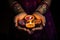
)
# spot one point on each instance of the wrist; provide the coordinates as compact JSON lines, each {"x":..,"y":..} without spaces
{"x":37,"y":13}
{"x":42,"y":8}
{"x":17,"y":7}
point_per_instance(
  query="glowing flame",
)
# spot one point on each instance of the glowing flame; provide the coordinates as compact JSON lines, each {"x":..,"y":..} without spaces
{"x":30,"y":22}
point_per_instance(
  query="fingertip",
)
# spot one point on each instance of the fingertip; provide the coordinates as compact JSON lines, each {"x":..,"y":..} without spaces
{"x":43,"y":24}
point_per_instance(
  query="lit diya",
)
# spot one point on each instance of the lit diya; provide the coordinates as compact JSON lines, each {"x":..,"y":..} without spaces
{"x":30,"y":21}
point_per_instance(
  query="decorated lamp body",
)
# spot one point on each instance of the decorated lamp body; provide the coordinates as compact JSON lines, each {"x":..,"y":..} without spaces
{"x":30,"y":21}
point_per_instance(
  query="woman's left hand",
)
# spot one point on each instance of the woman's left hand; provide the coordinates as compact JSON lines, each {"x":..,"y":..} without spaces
{"x":38,"y":28}
{"x":42,"y":19}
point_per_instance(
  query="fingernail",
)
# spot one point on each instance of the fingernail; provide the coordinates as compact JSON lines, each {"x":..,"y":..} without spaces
{"x":43,"y":24}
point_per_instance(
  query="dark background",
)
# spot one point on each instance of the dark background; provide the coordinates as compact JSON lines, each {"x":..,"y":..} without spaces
{"x":5,"y":16}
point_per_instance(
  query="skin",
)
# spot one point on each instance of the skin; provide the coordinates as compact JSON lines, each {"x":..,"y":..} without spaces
{"x":44,"y":6}
{"x":39,"y":16}
{"x":48,"y":2}
{"x":22,"y":15}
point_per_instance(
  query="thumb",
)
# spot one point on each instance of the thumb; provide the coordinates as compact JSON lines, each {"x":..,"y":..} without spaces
{"x":16,"y":25}
{"x":43,"y":20}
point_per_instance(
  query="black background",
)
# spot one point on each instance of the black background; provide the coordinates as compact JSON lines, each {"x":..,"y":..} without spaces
{"x":5,"y":16}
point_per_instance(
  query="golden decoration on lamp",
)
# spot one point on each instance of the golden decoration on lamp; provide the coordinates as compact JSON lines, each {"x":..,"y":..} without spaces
{"x":30,"y":21}
{"x":30,"y":24}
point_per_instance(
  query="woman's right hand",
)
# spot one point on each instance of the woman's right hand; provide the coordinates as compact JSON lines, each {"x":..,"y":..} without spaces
{"x":19,"y":17}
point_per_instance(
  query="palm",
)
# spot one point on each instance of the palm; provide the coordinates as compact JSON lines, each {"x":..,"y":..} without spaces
{"x":40,"y":18}
{"x":19,"y":17}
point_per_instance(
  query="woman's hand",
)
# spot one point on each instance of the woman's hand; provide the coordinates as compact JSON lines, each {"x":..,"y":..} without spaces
{"x":29,"y":31}
{"x":19,"y":17}
{"x":25,"y":29}
{"x":38,"y":28}
{"x":42,"y":20}
{"x":40,"y":17}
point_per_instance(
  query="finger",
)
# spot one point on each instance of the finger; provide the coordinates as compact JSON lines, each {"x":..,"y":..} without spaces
{"x":28,"y":31}
{"x":20,"y":28}
{"x":33,"y":29}
{"x":39,"y":28}
{"x":24,"y":29}
{"x":43,"y":20}
{"x":16,"y":25}
{"x":16,"y":20}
